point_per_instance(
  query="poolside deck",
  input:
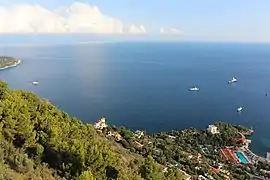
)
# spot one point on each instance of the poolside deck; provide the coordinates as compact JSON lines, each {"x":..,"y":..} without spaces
{"x":253,"y":157}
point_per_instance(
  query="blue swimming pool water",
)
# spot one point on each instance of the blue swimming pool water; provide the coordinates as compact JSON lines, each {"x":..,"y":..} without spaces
{"x":241,"y":157}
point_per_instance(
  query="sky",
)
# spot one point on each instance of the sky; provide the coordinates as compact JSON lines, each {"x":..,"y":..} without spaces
{"x":206,"y":20}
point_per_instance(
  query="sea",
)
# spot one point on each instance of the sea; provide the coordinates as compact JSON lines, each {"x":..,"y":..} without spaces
{"x":144,"y":85}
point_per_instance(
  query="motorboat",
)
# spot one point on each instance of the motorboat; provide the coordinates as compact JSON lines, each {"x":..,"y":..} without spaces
{"x":194,"y":89}
{"x":239,"y":109}
{"x":233,"y":80}
{"x":35,"y":82}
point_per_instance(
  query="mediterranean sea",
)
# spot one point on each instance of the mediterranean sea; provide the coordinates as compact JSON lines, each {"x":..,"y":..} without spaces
{"x":144,"y":85}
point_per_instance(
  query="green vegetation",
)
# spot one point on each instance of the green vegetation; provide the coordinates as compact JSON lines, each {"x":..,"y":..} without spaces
{"x":39,"y":141}
{"x":263,"y":169}
{"x":42,"y":142}
{"x":196,"y":152}
{"x":7,"y":62}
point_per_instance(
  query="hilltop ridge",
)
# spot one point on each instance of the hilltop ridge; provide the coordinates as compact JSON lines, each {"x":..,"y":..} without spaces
{"x":42,"y":142}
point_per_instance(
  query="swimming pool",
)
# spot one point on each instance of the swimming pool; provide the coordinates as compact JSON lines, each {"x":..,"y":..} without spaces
{"x":241,"y":157}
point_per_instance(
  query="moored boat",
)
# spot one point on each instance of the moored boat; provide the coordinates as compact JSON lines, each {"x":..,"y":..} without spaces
{"x":233,"y":80}
{"x":194,"y":89}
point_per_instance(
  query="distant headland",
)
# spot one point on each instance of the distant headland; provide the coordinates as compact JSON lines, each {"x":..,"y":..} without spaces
{"x":8,"y":62}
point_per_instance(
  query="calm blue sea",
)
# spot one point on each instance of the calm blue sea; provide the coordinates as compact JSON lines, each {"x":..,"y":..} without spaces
{"x":145,"y":85}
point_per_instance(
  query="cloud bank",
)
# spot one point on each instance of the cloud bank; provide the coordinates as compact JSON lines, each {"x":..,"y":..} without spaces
{"x":76,"y":18}
{"x":170,"y":31}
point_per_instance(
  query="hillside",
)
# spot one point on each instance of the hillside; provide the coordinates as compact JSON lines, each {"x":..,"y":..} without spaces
{"x":39,"y":141}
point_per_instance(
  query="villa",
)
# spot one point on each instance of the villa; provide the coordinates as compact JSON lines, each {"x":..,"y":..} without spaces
{"x":118,"y":137}
{"x":137,"y":144}
{"x":101,"y":124}
{"x":268,"y":156}
{"x":139,"y":134}
{"x":172,"y":137}
{"x":212,"y":129}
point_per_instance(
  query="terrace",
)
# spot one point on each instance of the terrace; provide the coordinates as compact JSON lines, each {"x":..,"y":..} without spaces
{"x":229,"y":155}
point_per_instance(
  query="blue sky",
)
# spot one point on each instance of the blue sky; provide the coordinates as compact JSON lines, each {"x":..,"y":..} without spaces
{"x":243,"y":20}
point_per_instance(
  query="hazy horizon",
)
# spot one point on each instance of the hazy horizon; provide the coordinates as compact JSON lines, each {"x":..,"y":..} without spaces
{"x":65,"y":39}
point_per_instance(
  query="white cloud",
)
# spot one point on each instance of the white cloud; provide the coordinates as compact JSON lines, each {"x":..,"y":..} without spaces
{"x":134,"y":29}
{"x":76,"y":18}
{"x":170,"y":31}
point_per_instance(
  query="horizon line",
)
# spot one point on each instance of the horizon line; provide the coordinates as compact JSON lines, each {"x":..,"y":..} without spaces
{"x":128,"y":41}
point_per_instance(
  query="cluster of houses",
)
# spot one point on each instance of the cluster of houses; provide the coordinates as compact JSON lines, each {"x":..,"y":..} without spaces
{"x":212,"y":129}
{"x":101,"y":124}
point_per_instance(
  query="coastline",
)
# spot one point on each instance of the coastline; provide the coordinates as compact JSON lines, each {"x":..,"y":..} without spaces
{"x":210,"y":153}
{"x":14,"y":65}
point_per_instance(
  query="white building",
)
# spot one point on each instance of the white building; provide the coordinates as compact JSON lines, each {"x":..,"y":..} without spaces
{"x":101,"y":124}
{"x":172,"y":137}
{"x":186,"y":176}
{"x":212,"y":129}
{"x":139,"y":134}
{"x":268,"y":156}
{"x":201,"y":177}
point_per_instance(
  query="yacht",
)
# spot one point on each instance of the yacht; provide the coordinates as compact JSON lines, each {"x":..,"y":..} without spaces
{"x":239,"y":109}
{"x":194,"y":89}
{"x":35,"y":82}
{"x":233,"y":80}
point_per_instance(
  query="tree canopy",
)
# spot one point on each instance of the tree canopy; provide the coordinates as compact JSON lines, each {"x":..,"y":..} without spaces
{"x":39,"y":140}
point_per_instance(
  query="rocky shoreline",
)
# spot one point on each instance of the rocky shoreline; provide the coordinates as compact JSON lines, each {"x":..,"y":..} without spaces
{"x":17,"y":62}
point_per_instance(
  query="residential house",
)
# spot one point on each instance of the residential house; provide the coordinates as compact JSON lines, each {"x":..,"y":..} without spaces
{"x":118,"y":137}
{"x":268,"y":156}
{"x":139,"y":134}
{"x":137,"y":144}
{"x":100,"y":124}
{"x":212,"y":129}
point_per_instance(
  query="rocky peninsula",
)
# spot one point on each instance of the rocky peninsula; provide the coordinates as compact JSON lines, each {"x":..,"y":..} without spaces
{"x":8,"y":62}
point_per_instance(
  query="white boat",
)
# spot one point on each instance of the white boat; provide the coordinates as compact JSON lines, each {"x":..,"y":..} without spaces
{"x":194,"y":89}
{"x":35,"y":82}
{"x":233,"y":80}
{"x":239,"y":109}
